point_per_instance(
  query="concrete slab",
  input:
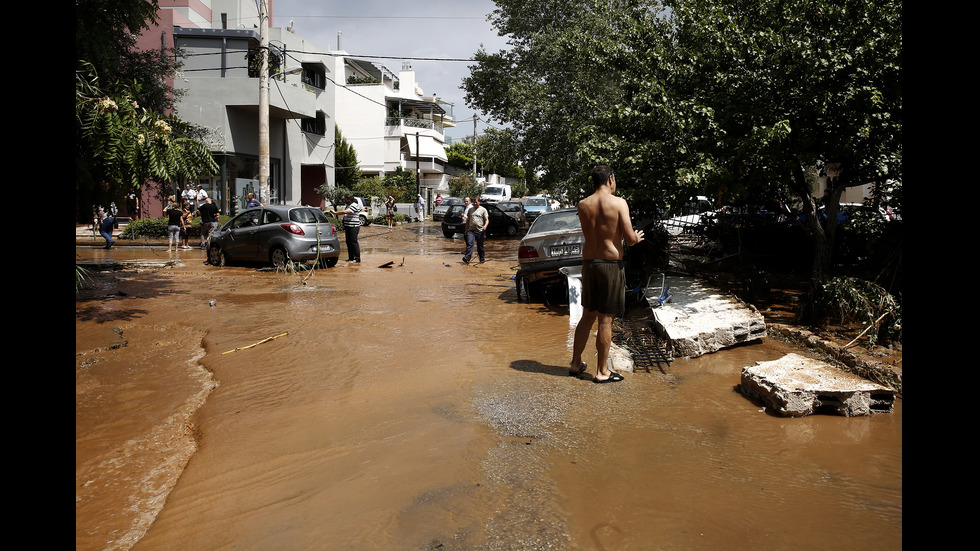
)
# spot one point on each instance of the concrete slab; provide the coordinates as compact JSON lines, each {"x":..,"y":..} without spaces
{"x":698,"y":319}
{"x":796,"y":386}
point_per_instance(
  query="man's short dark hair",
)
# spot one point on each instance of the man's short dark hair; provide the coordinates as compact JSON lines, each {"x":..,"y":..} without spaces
{"x":600,"y":175}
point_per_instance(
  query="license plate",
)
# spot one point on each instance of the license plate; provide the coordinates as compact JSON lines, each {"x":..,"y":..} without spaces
{"x":565,"y":250}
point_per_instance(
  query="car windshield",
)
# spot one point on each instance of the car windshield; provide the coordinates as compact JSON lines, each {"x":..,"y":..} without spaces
{"x":560,"y":221}
{"x":536,"y":202}
{"x":492,"y":191}
{"x":308,"y":216}
{"x":453,"y":201}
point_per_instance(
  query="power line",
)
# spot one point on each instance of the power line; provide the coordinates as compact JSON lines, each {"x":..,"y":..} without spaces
{"x":467,"y":17}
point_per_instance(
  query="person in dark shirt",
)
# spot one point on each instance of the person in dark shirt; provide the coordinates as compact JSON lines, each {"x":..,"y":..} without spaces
{"x":209,"y":221}
{"x":352,"y":226}
{"x":175,"y":221}
{"x":105,"y":228}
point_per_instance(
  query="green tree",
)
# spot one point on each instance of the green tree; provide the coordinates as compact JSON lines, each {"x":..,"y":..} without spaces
{"x":791,"y":89}
{"x":465,"y":185}
{"x":125,"y":131}
{"x":460,"y":155}
{"x":500,"y":152}
{"x":709,"y":97}
{"x":347,"y":172}
{"x":105,"y":40}
{"x":121,"y":144}
{"x":403,"y":184}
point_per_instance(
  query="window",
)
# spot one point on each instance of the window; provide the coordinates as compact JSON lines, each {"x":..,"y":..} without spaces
{"x":314,"y":76}
{"x":316,"y":125}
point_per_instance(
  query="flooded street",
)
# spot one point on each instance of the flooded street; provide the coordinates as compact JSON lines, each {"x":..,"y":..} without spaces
{"x":422,"y":407}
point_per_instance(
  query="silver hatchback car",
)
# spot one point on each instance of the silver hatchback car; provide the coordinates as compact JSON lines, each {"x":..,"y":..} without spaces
{"x":276,"y":234}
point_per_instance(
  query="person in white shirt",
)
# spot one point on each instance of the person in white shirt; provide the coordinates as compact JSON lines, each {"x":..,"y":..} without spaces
{"x":200,"y":197}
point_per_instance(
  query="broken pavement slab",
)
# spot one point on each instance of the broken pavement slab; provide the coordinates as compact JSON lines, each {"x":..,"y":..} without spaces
{"x":796,"y":386}
{"x":698,"y":319}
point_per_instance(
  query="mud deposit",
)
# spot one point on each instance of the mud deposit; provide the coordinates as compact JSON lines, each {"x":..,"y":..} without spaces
{"x":422,"y":407}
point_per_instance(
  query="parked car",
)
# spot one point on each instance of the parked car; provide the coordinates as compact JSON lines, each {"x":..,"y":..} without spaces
{"x":515,"y":210}
{"x":696,"y":212}
{"x":534,"y":206}
{"x":848,"y":210}
{"x":500,"y":223}
{"x":366,"y":216}
{"x":276,"y":234}
{"x":495,"y":193}
{"x":440,"y":211}
{"x":554,"y":240}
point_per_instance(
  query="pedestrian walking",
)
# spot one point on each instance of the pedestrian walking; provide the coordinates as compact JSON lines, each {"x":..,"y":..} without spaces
{"x":476,"y":231}
{"x":420,"y":208}
{"x":106,"y":224}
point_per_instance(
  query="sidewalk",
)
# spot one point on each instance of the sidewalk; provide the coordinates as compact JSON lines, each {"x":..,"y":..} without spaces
{"x":86,"y":235}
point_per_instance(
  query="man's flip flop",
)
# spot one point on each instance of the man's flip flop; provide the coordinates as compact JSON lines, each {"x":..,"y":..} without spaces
{"x":576,"y":372}
{"x":613,"y":378}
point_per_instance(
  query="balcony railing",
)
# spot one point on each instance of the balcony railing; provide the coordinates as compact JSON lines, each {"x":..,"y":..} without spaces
{"x":414,"y":123}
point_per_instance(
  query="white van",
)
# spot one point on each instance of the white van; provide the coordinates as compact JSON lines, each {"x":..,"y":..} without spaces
{"x":495,"y":193}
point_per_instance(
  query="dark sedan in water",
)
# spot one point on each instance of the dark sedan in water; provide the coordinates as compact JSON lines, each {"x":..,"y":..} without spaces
{"x":500,"y":223}
{"x":276,"y":234}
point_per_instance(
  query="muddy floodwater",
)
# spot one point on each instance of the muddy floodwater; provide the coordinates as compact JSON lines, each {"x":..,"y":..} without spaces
{"x":420,"y":407}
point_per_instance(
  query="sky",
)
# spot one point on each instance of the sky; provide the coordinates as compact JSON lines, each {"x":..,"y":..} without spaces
{"x":433,"y":31}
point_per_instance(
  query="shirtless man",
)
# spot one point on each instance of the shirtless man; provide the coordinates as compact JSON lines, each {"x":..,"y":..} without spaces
{"x":606,"y":225}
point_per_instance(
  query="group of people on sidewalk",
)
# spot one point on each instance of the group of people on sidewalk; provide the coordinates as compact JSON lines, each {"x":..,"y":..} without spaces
{"x":180,"y":219}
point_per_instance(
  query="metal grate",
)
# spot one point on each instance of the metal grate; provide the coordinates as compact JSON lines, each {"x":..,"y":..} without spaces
{"x":648,"y":349}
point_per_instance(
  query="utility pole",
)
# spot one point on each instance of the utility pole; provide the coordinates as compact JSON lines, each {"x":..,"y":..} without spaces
{"x":418,"y":170}
{"x":475,"y":118}
{"x":264,"y":102}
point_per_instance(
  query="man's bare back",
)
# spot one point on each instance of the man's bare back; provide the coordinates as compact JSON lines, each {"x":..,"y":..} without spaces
{"x":606,"y":223}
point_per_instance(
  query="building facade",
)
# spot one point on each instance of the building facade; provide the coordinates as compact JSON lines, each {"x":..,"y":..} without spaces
{"x":385,"y":116}
{"x":390,"y":122}
{"x":218,"y":89}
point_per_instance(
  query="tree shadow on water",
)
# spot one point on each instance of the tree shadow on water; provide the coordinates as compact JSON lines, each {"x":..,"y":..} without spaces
{"x":102,"y":298}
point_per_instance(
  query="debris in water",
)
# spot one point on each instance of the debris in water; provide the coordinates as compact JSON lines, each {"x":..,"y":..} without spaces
{"x":267,"y":339}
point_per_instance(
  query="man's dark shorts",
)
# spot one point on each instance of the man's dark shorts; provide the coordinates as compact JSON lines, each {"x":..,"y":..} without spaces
{"x":604,"y":286}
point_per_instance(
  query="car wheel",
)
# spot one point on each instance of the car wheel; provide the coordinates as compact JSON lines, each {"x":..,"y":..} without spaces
{"x":279,"y":257}
{"x":329,"y":262}
{"x":511,"y":230}
{"x":523,"y":290}
{"x":449,"y":234}
{"x":365,"y":221}
{"x":215,"y":257}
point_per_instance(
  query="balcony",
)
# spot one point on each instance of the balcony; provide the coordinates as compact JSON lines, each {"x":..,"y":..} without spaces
{"x":412,"y":122}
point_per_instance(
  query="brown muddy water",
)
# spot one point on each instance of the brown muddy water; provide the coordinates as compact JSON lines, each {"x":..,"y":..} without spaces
{"x":422,"y":407}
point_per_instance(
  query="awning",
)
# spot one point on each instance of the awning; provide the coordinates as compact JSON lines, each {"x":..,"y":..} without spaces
{"x":429,"y":147}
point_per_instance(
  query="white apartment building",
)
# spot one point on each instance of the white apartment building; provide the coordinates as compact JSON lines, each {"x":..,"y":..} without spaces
{"x":389,"y":121}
